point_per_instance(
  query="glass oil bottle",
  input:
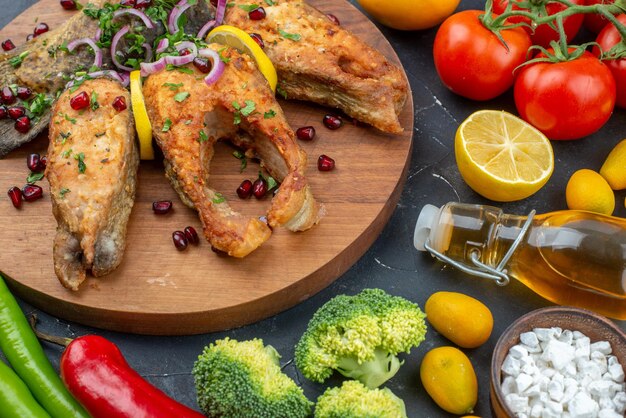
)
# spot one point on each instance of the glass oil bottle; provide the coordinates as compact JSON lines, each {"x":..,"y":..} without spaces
{"x":573,"y":258}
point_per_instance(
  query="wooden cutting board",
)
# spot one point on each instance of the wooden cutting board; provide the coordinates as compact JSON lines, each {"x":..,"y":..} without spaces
{"x":159,"y":290}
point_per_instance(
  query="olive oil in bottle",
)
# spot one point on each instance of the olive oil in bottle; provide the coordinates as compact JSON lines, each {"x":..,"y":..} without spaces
{"x":569,"y":257}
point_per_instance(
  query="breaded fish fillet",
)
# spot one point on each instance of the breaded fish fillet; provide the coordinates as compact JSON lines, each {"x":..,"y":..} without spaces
{"x":188,"y":117}
{"x":92,"y":170}
{"x":319,"y":61}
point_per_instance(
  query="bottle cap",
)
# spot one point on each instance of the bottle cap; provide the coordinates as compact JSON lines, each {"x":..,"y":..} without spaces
{"x":426,"y":221}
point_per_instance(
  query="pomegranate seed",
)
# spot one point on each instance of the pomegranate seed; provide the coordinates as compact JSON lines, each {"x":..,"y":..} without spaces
{"x":68,"y":4}
{"x":33,"y":162}
{"x":80,"y":101}
{"x":22,"y":124}
{"x":130,"y":3}
{"x":15,"y":194}
{"x":192,"y":235}
{"x":202,"y":64}
{"x":180,"y":240}
{"x":325,"y":163}
{"x":24,"y":93}
{"x":214,"y":3}
{"x":41,"y":28}
{"x":259,"y":188}
{"x":333,"y":19}
{"x":3,"y":112}
{"x":161,"y":207}
{"x":43,"y":162}
{"x":245,"y":189}
{"x":8,"y":45}
{"x":258,"y":39}
{"x":332,"y":122}
{"x":142,"y":4}
{"x":32,"y":192}
{"x":16,"y":112}
{"x":7,"y":95}
{"x":119,"y":103}
{"x":257,"y":14}
{"x":306,"y":133}
{"x":29,"y":37}
{"x":184,"y":52}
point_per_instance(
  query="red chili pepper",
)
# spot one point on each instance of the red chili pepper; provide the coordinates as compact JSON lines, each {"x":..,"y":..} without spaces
{"x":96,"y":373}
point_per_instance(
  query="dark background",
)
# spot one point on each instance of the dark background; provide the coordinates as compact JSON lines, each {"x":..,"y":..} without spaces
{"x":391,"y":263}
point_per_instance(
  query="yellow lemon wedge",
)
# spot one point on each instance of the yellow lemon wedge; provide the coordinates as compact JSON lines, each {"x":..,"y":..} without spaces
{"x":142,"y":123}
{"x":502,"y":157}
{"x":242,"y":42}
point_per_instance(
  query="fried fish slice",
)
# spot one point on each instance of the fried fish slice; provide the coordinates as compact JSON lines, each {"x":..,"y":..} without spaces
{"x":92,"y":170}
{"x":188,"y":117}
{"x":319,"y":61}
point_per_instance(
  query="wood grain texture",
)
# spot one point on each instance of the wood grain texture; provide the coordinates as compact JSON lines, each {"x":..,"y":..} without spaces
{"x":158,"y":290}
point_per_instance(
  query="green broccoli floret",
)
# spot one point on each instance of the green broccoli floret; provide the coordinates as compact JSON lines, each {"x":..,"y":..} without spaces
{"x":360,"y":337}
{"x":243,"y":379}
{"x":353,"y":400}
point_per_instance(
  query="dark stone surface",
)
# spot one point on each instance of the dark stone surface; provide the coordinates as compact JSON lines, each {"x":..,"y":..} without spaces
{"x":391,"y":263}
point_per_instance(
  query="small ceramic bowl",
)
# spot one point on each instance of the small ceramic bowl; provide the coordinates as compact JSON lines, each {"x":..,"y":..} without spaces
{"x":594,"y":326}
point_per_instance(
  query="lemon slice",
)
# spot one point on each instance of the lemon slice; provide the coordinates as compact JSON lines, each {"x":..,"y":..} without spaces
{"x":502,"y":157}
{"x":142,"y":123}
{"x":242,"y":42}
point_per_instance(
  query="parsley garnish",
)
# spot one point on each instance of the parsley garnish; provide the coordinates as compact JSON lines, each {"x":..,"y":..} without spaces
{"x":173,"y":86}
{"x":166,"y":125}
{"x":16,"y":61}
{"x":219,"y":198}
{"x":271,"y":182}
{"x":270,"y":114}
{"x":224,"y":59}
{"x":281,"y":91}
{"x":66,"y":153}
{"x":293,"y":36}
{"x":63,"y":192}
{"x":270,"y":2}
{"x":248,"y":7}
{"x":170,"y":67}
{"x":81,"y":162}
{"x":179,"y":97}
{"x":65,"y":136}
{"x":33,"y":177}
{"x":93,"y":102}
{"x":203,"y":137}
{"x":245,"y":111}
{"x":39,"y":104}
{"x":241,"y":156}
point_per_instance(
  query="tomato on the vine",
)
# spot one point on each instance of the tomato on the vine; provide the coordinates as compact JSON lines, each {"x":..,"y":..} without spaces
{"x":544,"y":33}
{"x":566,"y":100}
{"x":471,"y":60}
{"x":607,"y":38}
{"x":595,"y":22}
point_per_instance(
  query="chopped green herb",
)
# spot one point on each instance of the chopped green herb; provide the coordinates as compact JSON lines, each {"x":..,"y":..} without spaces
{"x":16,"y":61}
{"x":66,"y":153}
{"x":224,"y":59}
{"x":271,"y":182}
{"x":179,"y":97}
{"x":173,"y":86}
{"x":65,"y":136}
{"x":281,"y":91}
{"x":93,"y":102}
{"x":39,"y":104}
{"x":81,"y":162}
{"x":270,"y":114}
{"x":248,"y":7}
{"x":248,"y":109}
{"x":63,"y":192}
{"x":219,"y":198}
{"x":293,"y":36}
{"x":70,"y":119}
{"x":170,"y":67}
{"x":241,"y":156}
{"x":166,"y":125}
{"x":33,"y":177}
{"x":270,"y":2}
{"x":203,"y":137}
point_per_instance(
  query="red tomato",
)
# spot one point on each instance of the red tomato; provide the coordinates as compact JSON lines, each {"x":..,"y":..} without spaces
{"x":595,"y":22}
{"x":471,"y":61}
{"x":543,"y":34}
{"x":566,"y":100}
{"x":607,"y":38}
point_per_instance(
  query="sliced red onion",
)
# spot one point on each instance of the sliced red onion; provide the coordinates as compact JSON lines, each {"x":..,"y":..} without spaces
{"x":187,"y":45}
{"x":162,"y":45}
{"x":98,"y":35}
{"x":206,"y":28}
{"x":141,"y":15}
{"x":220,"y":11}
{"x":177,"y":11}
{"x":216,"y":62}
{"x":148,"y":68}
{"x":179,"y":60}
{"x":114,"y":42}
{"x":104,"y":73}
{"x":148,"y":54}
{"x":125,"y":78}
{"x":87,"y":41}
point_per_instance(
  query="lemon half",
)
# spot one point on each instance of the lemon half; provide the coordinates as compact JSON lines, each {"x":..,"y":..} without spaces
{"x":142,"y":122}
{"x":502,"y":157}
{"x":242,"y":42}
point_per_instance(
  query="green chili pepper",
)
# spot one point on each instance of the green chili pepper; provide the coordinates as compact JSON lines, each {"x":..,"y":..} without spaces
{"x":15,"y":398}
{"x":23,"y":350}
